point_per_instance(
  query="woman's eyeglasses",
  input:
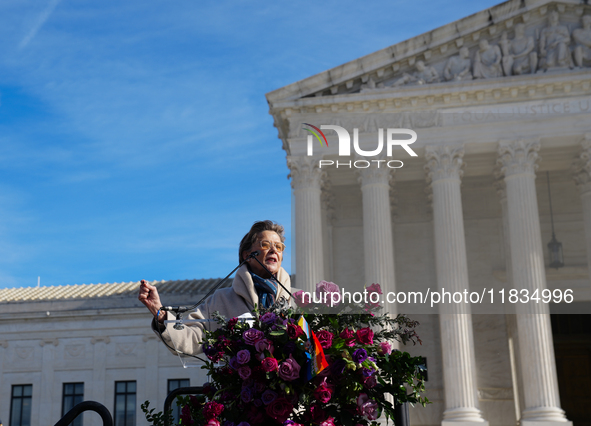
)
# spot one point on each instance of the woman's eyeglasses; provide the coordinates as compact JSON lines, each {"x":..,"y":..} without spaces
{"x":266,"y":245}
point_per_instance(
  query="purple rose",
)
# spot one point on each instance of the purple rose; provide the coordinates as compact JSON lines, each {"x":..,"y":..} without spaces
{"x":246,"y":395}
{"x":257,"y":402}
{"x":234,"y":363}
{"x":243,"y":424}
{"x":268,"y":318}
{"x":244,"y":372}
{"x":367,"y":407}
{"x":359,"y":355}
{"x":252,"y":335}
{"x":268,"y":396}
{"x":333,"y":293}
{"x":289,"y":369}
{"x":264,"y":345}
{"x":259,"y":387}
{"x":243,"y":356}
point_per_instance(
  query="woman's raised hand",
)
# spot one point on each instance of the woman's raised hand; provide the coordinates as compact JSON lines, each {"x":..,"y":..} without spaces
{"x":149,"y":296}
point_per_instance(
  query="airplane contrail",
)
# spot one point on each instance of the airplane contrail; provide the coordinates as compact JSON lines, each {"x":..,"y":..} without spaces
{"x":51,"y":5}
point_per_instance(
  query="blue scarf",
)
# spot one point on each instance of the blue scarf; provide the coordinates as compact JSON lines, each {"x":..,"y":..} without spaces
{"x":266,"y":290}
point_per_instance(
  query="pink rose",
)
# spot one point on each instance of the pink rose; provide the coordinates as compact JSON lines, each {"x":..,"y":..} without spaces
{"x":328,"y":422}
{"x":348,"y":335}
{"x":212,"y":422}
{"x":269,"y":364}
{"x":279,"y":409}
{"x":323,"y":393}
{"x":385,"y":348}
{"x":289,"y":369}
{"x":365,"y":336}
{"x":373,"y":295}
{"x":302,"y":298}
{"x":325,"y":338}
{"x":330,"y":289}
{"x":294,"y":331}
{"x":370,"y":382}
{"x":212,"y":410}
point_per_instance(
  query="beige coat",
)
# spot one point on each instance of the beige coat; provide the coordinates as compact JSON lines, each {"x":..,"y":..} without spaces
{"x":230,"y":302}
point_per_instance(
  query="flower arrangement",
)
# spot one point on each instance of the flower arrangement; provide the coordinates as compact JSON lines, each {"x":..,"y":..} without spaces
{"x":317,"y":364}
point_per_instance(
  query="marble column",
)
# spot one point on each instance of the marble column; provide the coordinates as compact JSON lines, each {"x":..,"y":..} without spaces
{"x":582,"y":175}
{"x":512,"y":337}
{"x":306,"y":179}
{"x":542,"y":403}
{"x":378,"y":241}
{"x":457,"y":342}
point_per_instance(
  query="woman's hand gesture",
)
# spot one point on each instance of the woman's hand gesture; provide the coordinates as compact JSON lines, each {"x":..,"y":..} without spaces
{"x":149,"y":296}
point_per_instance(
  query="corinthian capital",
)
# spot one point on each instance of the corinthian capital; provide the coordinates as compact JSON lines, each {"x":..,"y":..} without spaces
{"x":581,"y":167}
{"x":516,"y":157}
{"x":375,"y":173}
{"x":304,"y":172}
{"x":444,"y":162}
{"x":499,"y":183}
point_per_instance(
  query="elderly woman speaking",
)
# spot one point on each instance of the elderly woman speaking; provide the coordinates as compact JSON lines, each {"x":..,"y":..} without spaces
{"x":253,"y":285}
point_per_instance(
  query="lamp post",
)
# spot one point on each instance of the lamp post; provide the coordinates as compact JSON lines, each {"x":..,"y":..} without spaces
{"x":554,"y":246}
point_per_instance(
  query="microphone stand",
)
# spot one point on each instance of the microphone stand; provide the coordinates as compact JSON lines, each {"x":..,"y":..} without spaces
{"x":179,"y":310}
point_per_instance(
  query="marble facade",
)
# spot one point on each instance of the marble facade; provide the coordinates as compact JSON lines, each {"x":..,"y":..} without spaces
{"x":91,"y":339}
{"x":496,"y":99}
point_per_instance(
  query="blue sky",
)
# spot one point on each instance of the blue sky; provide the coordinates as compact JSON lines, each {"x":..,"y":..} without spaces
{"x":135,"y":139}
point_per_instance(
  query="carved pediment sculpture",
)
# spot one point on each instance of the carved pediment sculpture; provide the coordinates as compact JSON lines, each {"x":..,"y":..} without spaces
{"x":424,"y":74}
{"x":554,"y":42}
{"x":487,"y":63}
{"x":549,"y":37}
{"x":582,"y":37}
{"x":519,"y":56}
{"x":459,"y":67}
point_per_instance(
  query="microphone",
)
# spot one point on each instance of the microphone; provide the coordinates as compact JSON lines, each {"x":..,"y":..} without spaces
{"x":174,"y":308}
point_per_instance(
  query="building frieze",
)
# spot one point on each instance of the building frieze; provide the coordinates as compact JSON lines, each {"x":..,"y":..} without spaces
{"x":519,"y":40}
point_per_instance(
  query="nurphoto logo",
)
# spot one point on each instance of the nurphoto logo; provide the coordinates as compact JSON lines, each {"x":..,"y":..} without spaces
{"x":344,"y":139}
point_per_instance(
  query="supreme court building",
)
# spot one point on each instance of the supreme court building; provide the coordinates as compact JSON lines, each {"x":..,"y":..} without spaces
{"x":496,"y":100}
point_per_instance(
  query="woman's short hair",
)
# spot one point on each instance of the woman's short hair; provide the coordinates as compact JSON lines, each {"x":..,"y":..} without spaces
{"x":249,"y":239}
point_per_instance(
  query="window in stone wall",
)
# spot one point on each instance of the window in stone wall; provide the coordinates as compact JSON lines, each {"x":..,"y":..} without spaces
{"x":125,"y":393}
{"x":20,"y":405}
{"x":73,"y":394}
{"x":172,"y":385}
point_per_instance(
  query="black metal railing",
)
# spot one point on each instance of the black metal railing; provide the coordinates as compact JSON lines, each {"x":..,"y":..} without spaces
{"x":188,"y":390}
{"x":87,"y":406}
{"x":401,"y":417}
